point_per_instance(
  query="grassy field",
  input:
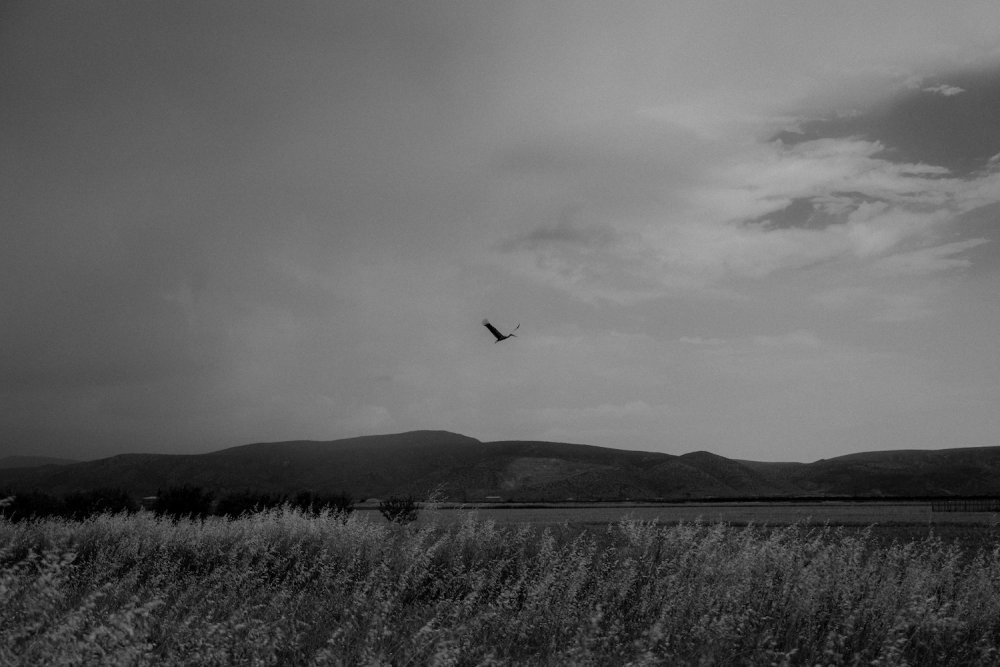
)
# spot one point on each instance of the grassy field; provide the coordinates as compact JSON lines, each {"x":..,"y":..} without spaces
{"x":283,"y":588}
{"x":736,"y":513}
{"x":884,"y":521}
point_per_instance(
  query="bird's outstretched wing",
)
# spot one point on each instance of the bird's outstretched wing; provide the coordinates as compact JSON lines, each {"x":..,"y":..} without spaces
{"x":493,"y":330}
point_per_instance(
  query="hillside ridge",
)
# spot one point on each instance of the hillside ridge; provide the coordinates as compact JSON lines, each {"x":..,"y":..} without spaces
{"x":466,"y":469}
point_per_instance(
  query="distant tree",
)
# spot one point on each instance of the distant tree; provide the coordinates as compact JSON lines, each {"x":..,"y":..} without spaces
{"x":182,"y":502}
{"x":399,"y":509}
{"x":314,"y":503}
{"x":31,"y":505}
{"x":245,"y":502}
{"x":83,"y":504}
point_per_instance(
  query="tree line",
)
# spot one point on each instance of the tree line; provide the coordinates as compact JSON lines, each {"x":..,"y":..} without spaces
{"x":190,"y":502}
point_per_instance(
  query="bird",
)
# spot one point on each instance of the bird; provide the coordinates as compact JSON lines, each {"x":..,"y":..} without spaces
{"x":500,"y":336}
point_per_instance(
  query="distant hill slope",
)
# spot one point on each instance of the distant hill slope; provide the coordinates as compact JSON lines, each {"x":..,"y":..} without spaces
{"x":927,"y":472}
{"x":466,"y":469}
{"x":8,"y":462}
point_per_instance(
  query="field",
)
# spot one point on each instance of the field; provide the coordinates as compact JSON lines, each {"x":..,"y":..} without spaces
{"x":844,"y":513}
{"x":461,"y":588}
{"x":887,"y":520}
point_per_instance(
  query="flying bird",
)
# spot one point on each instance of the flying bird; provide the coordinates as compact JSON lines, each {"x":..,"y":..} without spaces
{"x":499,"y":336}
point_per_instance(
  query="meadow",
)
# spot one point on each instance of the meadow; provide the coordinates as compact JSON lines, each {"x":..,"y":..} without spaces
{"x":883,"y":521}
{"x":286,"y":588}
{"x":738,"y":513}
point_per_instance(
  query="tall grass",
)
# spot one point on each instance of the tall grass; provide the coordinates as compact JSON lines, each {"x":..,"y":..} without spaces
{"x":286,"y":588}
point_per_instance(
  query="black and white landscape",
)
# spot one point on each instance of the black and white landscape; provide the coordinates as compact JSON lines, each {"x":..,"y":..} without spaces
{"x":744,"y":252}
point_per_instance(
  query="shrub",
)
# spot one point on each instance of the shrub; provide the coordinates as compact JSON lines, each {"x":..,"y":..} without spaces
{"x":399,"y":509}
{"x":314,"y":503}
{"x":83,"y":504}
{"x":243,"y":502}
{"x":183,"y":502}
{"x":31,"y":505}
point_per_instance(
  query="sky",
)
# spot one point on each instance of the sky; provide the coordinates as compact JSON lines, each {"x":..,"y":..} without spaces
{"x":769,"y":230}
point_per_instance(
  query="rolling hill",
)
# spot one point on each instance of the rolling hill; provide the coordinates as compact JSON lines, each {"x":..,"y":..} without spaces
{"x":466,"y":469}
{"x":32,"y":461}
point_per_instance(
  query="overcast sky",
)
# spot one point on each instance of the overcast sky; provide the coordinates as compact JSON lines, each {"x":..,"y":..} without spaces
{"x":768,"y":230}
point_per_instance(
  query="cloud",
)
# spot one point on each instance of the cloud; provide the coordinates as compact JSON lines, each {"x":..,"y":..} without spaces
{"x":928,"y":260}
{"x":567,"y":231}
{"x":769,"y":208}
{"x":949,"y":125}
{"x":944,"y":89}
{"x":768,"y":177}
{"x":847,"y":194}
{"x":591,"y":261}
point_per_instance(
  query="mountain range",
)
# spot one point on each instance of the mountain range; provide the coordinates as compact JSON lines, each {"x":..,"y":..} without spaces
{"x":465,"y":469}
{"x":31,"y":461}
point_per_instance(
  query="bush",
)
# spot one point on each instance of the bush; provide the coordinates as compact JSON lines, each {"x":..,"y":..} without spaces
{"x":244,"y":502}
{"x":399,"y":509}
{"x":83,"y":504}
{"x":314,"y":503}
{"x":31,"y":505}
{"x":183,"y":502}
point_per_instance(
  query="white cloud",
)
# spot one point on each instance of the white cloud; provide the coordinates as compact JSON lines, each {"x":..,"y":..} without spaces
{"x":877,"y":213}
{"x":764,"y":179}
{"x":619,"y":270}
{"x":944,"y":89}
{"x":725,"y":118}
{"x":927,"y":260}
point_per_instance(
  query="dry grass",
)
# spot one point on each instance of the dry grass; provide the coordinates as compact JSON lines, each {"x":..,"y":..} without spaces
{"x":283,"y":588}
